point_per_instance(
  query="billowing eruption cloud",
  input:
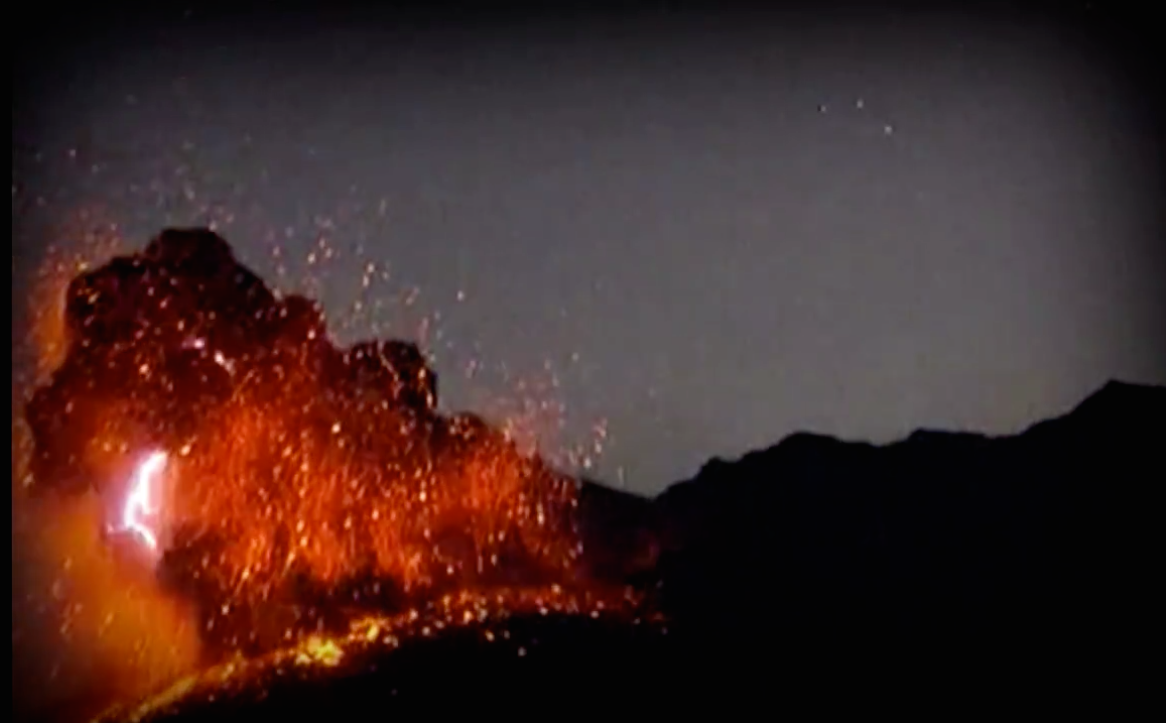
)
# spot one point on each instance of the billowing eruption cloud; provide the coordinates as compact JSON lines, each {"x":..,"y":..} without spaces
{"x":283,"y":485}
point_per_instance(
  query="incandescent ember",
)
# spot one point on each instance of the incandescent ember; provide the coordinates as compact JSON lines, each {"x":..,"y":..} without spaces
{"x":294,"y":486}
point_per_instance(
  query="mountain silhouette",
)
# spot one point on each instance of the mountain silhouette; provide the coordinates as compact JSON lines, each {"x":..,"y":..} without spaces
{"x":946,"y":564}
{"x":948,"y":543}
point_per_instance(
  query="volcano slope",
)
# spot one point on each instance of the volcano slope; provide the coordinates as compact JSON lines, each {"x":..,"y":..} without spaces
{"x":352,"y":550}
{"x":1002,"y":568}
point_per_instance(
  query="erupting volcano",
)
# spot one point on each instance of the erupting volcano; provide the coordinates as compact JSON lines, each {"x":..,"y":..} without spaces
{"x":310,"y":500}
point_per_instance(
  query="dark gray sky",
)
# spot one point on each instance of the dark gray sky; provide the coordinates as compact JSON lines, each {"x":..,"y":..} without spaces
{"x":741,"y":225}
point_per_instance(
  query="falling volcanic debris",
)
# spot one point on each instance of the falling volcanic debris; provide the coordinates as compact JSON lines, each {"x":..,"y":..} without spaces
{"x":298,"y":493}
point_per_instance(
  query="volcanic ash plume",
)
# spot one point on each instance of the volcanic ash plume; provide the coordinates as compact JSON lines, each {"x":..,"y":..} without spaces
{"x":280,"y":484}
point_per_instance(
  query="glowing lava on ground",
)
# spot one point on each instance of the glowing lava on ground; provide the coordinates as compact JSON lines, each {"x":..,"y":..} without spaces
{"x":309,"y":500}
{"x":319,"y":658}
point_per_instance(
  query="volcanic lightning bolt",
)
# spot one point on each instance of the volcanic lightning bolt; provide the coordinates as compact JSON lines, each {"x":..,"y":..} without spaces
{"x":140,"y":504}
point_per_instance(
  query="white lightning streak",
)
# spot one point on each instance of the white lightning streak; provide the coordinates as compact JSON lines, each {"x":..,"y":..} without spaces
{"x":140,"y":503}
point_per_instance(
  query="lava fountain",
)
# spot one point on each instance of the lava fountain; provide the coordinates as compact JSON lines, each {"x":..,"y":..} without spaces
{"x":305,"y":500}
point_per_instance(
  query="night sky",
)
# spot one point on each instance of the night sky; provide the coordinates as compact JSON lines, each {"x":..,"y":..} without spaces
{"x":716,"y":229}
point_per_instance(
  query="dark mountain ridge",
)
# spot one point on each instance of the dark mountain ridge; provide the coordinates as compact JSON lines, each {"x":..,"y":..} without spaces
{"x":951,"y":541}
